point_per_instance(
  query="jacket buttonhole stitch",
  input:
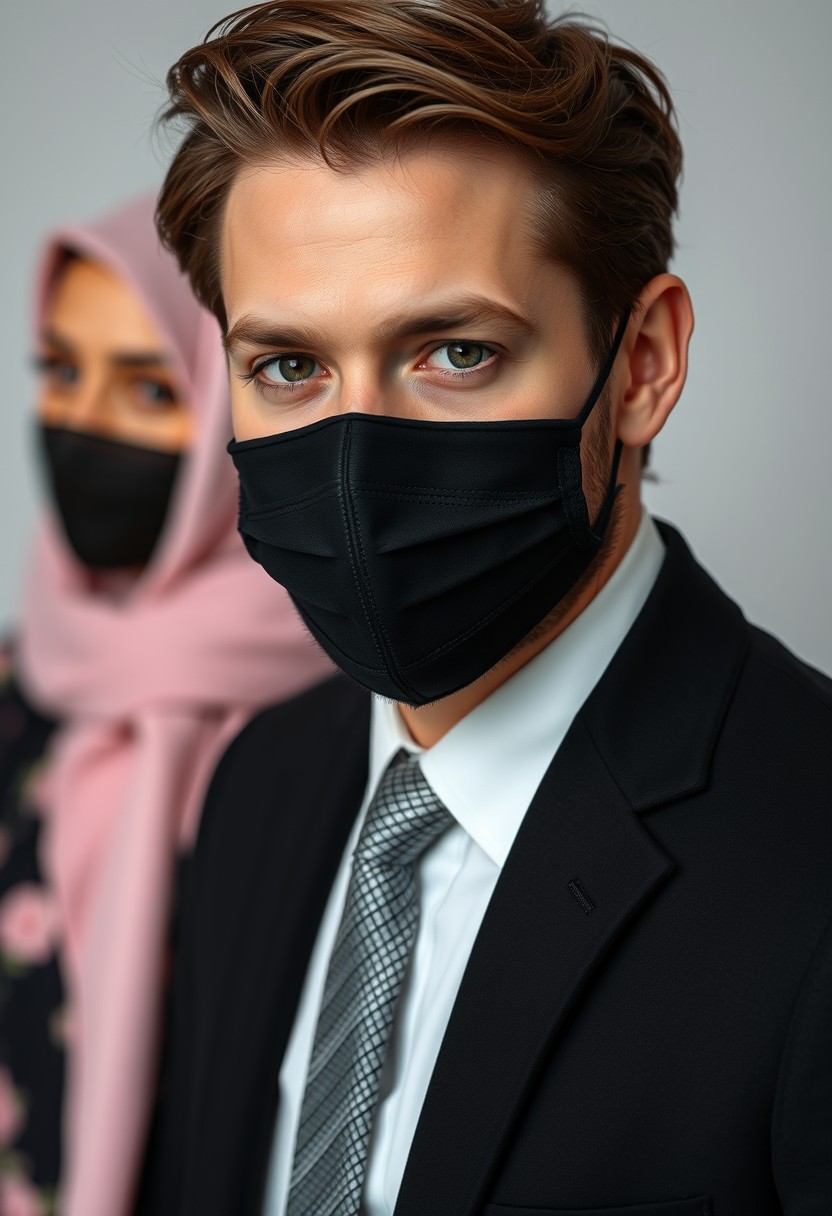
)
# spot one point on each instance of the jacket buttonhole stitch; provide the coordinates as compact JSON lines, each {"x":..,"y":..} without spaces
{"x":585,"y":903}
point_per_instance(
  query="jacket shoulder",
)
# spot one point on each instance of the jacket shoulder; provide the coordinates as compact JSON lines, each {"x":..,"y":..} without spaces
{"x":280,"y":750}
{"x":774,"y":756}
{"x":778,"y":728}
{"x":300,"y":720}
{"x":779,"y":666}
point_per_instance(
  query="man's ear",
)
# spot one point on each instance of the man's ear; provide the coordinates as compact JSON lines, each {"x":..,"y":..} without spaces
{"x":657,"y":359}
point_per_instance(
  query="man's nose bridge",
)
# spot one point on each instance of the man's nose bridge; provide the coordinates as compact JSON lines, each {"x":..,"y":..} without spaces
{"x":363,"y":404}
{"x":363,"y":390}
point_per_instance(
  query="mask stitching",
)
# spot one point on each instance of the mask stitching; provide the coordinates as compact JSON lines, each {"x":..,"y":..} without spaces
{"x":272,"y":510}
{"x":355,"y":548}
{"x":393,"y":669}
{"x":342,"y":496}
{"x":574,"y":499}
{"x":405,"y":494}
{"x":486,"y":620}
{"x":386,"y":651}
{"x":507,"y":426}
{"x":309,"y":621}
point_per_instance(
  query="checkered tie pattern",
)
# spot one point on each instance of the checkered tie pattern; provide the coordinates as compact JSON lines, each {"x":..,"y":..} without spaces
{"x":366,"y":970}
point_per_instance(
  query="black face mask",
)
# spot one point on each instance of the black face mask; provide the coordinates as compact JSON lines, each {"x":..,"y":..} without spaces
{"x":112,"y":497}
{"x":420,"y":553}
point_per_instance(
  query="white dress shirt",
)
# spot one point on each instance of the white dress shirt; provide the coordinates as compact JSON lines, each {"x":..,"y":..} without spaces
{"x":486,"y":770}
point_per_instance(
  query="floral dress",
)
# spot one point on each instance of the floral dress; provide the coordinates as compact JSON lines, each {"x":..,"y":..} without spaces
{"x":32,"y":1016}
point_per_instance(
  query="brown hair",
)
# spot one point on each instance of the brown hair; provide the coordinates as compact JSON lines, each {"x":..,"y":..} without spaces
{"x":353,"y":79}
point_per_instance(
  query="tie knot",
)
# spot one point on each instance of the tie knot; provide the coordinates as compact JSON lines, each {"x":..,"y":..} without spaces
{"x":404,"y":817}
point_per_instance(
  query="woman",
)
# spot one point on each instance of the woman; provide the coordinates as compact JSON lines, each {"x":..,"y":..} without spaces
{"x":148,"y":637}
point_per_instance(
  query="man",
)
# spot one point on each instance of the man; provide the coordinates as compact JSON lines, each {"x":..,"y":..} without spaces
{"x":544,"y":924}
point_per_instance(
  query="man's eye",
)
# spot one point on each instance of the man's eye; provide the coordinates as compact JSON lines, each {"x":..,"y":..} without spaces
{"x":288,"y":369}
{"x":459,"y":356}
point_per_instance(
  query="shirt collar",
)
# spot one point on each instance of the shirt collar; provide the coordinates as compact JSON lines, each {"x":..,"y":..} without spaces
{"x":487,"y":768}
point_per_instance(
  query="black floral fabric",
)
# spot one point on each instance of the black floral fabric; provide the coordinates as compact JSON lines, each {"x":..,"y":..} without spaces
{"x":33,"y":1019}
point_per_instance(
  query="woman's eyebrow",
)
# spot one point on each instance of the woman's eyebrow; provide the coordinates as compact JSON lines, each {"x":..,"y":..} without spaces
{"x":139,"y":359}
{"x":129,"y":359}
{"x":52,"y":338}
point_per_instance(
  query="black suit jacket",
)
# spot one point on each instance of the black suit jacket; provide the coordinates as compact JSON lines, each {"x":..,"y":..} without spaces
{"x":645,"y":1023}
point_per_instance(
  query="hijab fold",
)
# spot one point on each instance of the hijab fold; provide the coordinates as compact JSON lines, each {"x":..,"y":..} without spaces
{"x":150,"y":686}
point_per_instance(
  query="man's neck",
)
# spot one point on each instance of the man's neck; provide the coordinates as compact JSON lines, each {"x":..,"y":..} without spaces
{"x":428,"y":723}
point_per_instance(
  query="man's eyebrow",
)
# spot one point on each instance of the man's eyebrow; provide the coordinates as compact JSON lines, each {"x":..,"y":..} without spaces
{"x":259,"y":331}
{"x":128,"y":359}
{"x":456,"y":315}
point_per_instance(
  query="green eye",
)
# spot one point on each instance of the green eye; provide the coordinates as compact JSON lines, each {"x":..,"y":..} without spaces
{"x":465,"y":354}
{"x":460,"y":356}
{"x":288,"y":369}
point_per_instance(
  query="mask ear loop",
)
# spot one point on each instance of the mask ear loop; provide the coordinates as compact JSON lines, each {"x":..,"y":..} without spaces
{"x":600,"y":526}
{"x":602,"y":522}
{"x":606,"y":369}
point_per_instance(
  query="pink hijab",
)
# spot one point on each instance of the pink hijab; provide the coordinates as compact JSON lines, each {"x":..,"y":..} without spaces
{"x":149,"y":687}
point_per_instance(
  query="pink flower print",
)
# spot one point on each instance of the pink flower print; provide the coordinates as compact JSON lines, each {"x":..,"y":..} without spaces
{"x":28,"y":924}
{"x":35,"y":788}
{"x":19,"y":1198}
{"x":11,"y":1110}
{"x":62,"y":1027}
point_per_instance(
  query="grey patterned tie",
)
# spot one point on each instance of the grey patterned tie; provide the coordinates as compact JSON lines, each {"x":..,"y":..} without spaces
{"x":366,"y":970}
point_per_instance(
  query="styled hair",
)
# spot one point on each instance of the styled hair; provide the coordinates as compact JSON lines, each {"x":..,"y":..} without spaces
{"x":354,"y":80}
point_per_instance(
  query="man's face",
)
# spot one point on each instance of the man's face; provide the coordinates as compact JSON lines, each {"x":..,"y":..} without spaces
{"x":410,"y":288}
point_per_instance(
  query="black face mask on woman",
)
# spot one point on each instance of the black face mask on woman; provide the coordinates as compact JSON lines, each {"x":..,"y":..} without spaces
{"x":112,"y":498}
{"x":420,"y":553}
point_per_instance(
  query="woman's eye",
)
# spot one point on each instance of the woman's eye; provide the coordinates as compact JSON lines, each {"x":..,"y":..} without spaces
{"x":154,"y":392}
{"x":288,"y":369}
{"x":459,"y":356}
{"x":60,"y":371}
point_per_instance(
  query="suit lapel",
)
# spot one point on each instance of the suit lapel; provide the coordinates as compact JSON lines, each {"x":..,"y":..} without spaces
{"x":581,"y":868}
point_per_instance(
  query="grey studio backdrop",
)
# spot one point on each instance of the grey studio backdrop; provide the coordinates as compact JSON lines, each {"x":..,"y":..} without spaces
{"x":744,"y":462}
